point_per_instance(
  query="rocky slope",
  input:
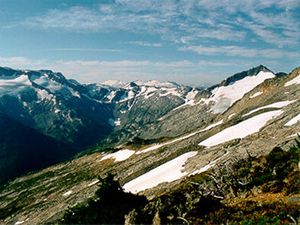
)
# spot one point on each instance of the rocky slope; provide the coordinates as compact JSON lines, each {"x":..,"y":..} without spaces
{"x":250,"y":113}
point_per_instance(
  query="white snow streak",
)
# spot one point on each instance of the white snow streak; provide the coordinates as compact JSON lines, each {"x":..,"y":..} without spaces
{"x":119,"y":155}
{"x":273,"y":105}
{"x":157,"y":146}
{"x":256,"y":94}
{"x":167,"y":172}
{"x":231,"y":115}
{"x":93,"y":183}
{"x":296,"y":80}
{"x":189,"y":99}
{"x":43,"y":94}
{"x":242,"y":129}
{"x":294,"y":135}
{"x":293,"y":121}
{"x":68,"y":193}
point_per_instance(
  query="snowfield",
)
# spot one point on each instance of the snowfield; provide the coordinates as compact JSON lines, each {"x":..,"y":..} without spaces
{"x":296,"y":80}
{"x":167,"y":172}
{"x":119,"y":155}
{"x":293,"y":121}
{"x":242,"y":129}
{"x":225,"y":96}
{"x":273,"y":105}
{"x":189,"y":99}
{"x":10,"y":86}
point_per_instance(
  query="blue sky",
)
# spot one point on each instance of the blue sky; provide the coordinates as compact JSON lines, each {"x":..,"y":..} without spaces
{"x":197,"y":42}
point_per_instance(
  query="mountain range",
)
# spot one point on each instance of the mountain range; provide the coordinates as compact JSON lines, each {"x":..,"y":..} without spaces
{"x":136,"y":130}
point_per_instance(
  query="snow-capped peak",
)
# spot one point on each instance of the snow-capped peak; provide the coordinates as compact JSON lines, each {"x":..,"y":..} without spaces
{"x":230,"y":90}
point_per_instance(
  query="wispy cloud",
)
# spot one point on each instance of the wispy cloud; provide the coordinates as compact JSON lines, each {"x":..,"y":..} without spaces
{"x":231,"y":50}
{"x":21,"y":62}
{"x":239,"y":34}
{"x":85,"y":50}
{"x":144,"y":44}
{"x":184,"y":20}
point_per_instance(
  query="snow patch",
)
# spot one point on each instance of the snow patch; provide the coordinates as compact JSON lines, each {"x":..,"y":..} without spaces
{"x":43,"y":94}
{"x":157,"y":146}
{"x":231,"y":115}
{"x":11,"y":86}
{"x":294,"y":135}
{"x":93,"y":183}
{"x":118,"y":122}
{"x":273,"y":105}
{"x":147,"y":92}
{"x":110,"y":96}
{"x":68,"y":193}
{"x":167,"y":172}
{"x":128,"y":96}
{"x":191,"y":95}
{"x":242,"y":129}
{"x":119,"y":155}
{"x":57,"y":111}
{"x":293,"y":121}
{"x":296,"y":80}
{"x":156,"y":83}
{"x":74,"y":93}
{"x":42,"y":80}
{"x":189,"y":99}
{"x":256,"y":94}
{"x":170,"y":91}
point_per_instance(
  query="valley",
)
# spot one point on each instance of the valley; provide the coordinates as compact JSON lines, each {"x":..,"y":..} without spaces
{"x":155,"y":137}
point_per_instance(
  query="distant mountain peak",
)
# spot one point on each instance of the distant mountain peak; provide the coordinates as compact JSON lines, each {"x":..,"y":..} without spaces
{"x":156,"y":83}
{"x":150,"y":83}
{"x":115,"y":83}
{"x":8,"y":72}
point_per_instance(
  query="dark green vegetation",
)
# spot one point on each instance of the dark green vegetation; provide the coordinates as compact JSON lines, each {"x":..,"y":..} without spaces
{"x":109,"y":206}
{"x":256,"y":190}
